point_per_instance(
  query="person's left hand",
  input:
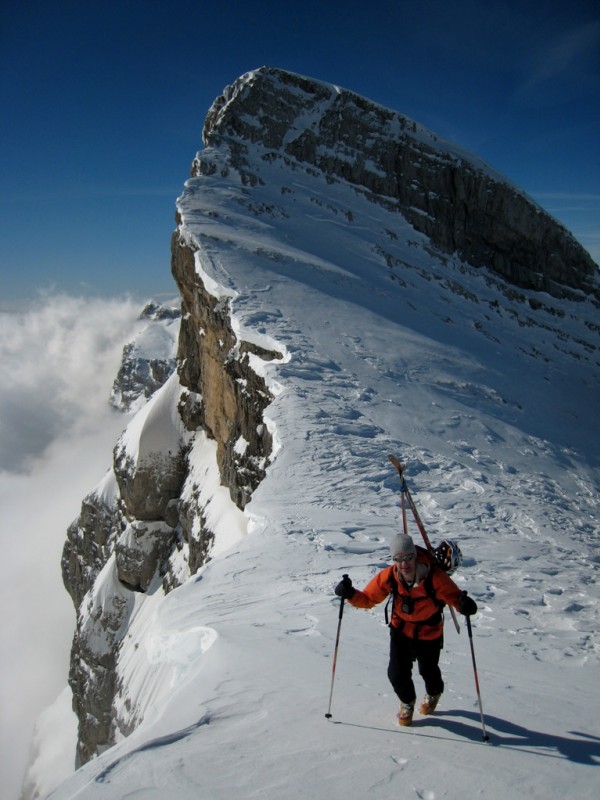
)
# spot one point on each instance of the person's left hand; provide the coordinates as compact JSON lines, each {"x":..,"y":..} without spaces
{"x":468,"y":606}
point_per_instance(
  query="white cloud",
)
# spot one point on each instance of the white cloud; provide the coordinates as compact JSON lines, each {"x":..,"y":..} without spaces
{"x":564,"y":54}
{"x":56,"y":359}
{"x":561,"y":65}
{"x":57,"y":431}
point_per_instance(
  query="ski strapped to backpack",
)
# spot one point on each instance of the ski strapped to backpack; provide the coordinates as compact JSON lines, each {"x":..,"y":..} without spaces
{"x":433,"y":553}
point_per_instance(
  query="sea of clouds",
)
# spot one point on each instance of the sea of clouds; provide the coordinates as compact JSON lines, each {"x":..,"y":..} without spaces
{"x":58,"y":360}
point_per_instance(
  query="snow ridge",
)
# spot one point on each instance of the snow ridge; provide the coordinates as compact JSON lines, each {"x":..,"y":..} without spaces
{"x":489,"y":394}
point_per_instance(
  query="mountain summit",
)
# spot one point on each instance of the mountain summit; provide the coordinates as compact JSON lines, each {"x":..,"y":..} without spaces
{"x":448,"y":194}
{"x":351,"y":286}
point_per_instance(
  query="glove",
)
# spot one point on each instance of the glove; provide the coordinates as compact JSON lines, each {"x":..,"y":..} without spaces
{"x":344,"y":589}
{"x":468,"y":606}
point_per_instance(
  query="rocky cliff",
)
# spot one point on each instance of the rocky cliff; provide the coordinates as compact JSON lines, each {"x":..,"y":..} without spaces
{"x":452,"y":197}
{"x":144,"y":528}
{"x":149,"y":359}
{"x":282,"y":153}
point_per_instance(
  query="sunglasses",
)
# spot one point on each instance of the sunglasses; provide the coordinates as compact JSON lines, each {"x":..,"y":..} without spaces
{"x":402,"y":559}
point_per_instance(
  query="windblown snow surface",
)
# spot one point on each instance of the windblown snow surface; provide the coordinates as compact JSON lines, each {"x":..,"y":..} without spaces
{"x":490,"y":395}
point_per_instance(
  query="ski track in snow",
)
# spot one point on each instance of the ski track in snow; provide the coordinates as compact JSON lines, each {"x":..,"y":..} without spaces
{"x":380,"y":361}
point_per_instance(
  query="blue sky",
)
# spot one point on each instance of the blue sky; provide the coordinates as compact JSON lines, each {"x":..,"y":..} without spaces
{"x":103,"y":103}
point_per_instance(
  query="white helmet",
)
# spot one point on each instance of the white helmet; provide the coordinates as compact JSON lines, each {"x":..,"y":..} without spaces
{"x":448,"y":556}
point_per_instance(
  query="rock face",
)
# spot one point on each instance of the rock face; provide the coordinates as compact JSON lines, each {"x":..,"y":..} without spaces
{"x":147,"y":527}
{"x":461,"y":204}
{"x":216,"y":368}
{"x":144,"y":528}
{"x":148,"y":360}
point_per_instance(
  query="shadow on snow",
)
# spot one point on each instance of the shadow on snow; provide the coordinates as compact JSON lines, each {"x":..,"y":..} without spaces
{"x":578,"y":747}
{"x":161,"y":741}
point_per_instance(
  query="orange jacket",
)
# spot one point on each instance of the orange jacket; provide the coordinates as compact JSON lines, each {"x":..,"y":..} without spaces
{"x":424,"y":622}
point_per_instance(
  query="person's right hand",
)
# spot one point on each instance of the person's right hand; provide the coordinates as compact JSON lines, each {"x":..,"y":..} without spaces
{"x":344,"y":589}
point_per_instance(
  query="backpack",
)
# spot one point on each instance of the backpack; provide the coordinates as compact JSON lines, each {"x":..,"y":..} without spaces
{"x":429,"y":590}
{"x":447,"y":557}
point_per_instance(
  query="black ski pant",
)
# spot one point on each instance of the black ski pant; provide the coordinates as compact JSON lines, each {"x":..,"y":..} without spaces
{"x":403,"y":652}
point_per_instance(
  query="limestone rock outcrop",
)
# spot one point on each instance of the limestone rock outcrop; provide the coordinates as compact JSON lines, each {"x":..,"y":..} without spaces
{"x":144,"y":528}
{"x":149,"y":359}
{"x":454,"y":198}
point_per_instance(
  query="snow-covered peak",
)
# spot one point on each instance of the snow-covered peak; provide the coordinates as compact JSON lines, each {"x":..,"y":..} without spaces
{"x":314,"y":98}
{"x":460,"y":203}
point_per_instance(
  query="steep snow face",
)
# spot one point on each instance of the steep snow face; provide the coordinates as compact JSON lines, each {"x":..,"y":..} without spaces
{"x":157,"y":428}
{"x":490,"y":394}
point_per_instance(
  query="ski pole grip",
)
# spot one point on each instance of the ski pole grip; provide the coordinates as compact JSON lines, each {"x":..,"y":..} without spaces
{"x":342,"y":599}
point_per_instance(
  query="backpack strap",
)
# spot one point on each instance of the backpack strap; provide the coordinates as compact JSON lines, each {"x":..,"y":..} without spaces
{"x":429,"y":587}
{"x":392,"y":597}
{"x":429,"y":590}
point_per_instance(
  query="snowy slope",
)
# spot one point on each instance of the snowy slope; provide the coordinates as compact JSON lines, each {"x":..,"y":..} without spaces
{"x":491,"y":397}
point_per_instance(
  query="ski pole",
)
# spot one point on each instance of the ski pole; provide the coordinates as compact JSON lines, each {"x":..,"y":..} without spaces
{"x":335,"y":652}
{"x":405,"y":491}
{"x":486,"y":738}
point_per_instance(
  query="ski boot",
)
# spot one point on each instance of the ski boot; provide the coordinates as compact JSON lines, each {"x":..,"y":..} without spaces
{"x":429,"y":703}
{"x":405,"y":714}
